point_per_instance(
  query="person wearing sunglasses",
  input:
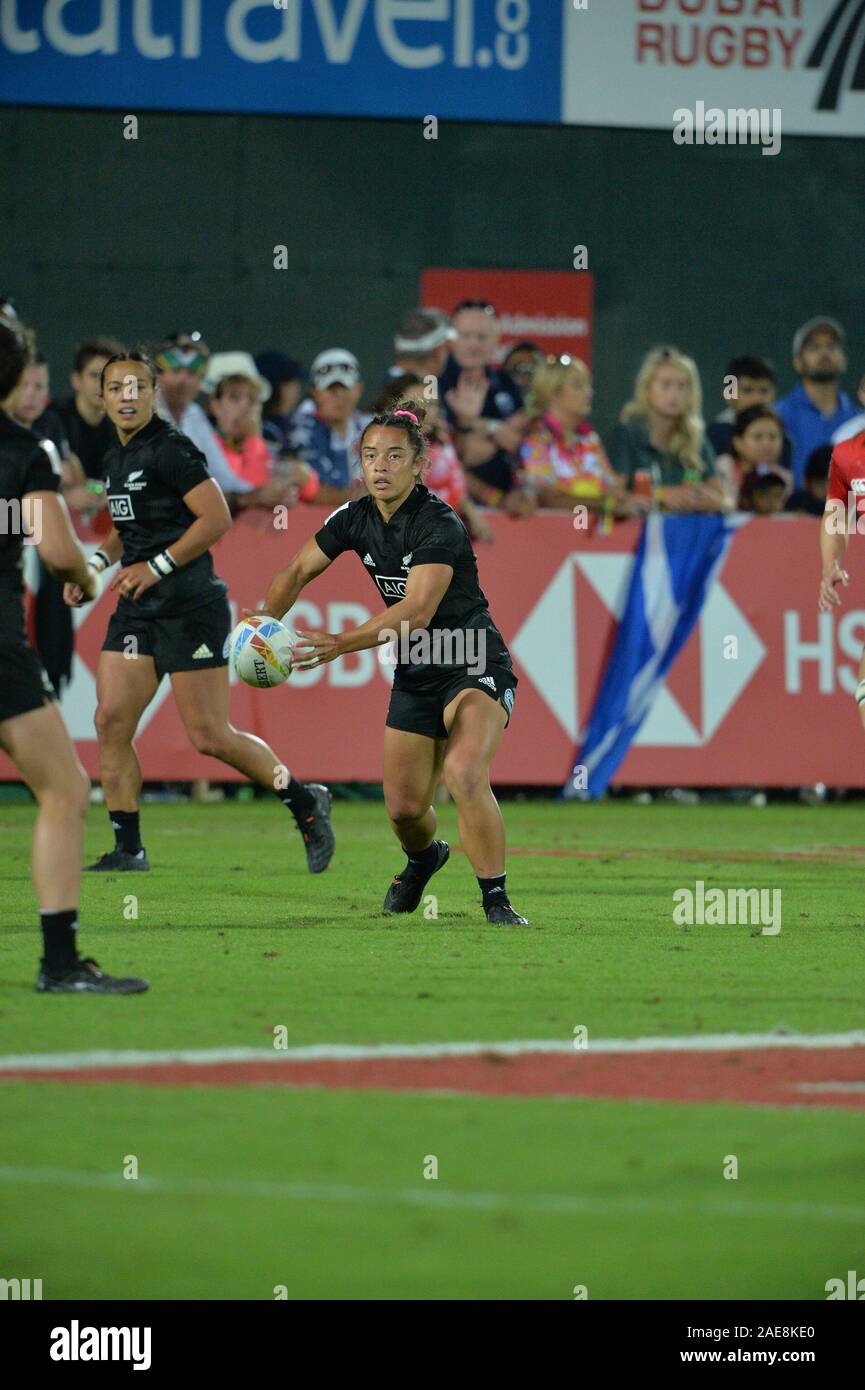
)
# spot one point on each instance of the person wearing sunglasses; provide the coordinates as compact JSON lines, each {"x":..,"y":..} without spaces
{"x":327,"y":427}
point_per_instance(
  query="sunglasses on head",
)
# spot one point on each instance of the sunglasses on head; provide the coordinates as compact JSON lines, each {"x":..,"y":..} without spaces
{"x":330,"y":367}
{"x":483,"y":304}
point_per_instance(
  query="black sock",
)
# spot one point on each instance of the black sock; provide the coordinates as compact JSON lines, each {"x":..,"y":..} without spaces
{"x":493,"y":889}
{"x":300,"y":802}
{"x":424,"y":858}
{"x":127,"y":834}
{"x":58,"y":936}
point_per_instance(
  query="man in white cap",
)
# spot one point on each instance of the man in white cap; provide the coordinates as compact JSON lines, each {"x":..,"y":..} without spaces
{"x":817,"y":407}
{"x":327,"y":427}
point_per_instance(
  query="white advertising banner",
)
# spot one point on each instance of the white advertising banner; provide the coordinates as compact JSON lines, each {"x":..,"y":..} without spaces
{"x":639,"y":62}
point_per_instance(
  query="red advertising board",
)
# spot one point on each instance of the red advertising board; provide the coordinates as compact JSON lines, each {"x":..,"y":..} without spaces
{"x":550,"y":307}
{"x":761,"y":695}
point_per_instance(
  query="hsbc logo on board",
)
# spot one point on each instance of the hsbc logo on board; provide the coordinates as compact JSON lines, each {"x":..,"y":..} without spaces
{"x":547,"y":648}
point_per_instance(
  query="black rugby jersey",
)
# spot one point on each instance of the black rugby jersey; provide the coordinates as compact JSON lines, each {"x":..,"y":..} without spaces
{"x":26,"y":465}
{"x":423,"y":531}
{"x":146,"y":481}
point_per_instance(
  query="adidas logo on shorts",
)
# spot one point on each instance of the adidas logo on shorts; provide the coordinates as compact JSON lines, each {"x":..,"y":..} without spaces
{"x":488,"y":680}
{"x":204,"y":653}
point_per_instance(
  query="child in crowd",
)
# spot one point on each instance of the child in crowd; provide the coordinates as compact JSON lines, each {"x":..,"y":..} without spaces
{"x":758,"y":442}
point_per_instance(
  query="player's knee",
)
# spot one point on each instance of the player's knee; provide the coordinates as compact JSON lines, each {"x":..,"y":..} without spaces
{"x":209,"y":739}
{"x":68,"y":799}
{"x":404,"y":809}
{"x":111,"y":724}
{"x":464,"y":778}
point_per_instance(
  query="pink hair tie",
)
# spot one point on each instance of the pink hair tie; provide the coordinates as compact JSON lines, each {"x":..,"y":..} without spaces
{"x":409,"y":413}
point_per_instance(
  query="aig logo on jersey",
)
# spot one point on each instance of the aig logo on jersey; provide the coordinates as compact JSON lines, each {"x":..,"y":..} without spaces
{"x":120,"y":507}
{"x":391,"y":585}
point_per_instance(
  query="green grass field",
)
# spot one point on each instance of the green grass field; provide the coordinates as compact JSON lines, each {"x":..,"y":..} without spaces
{"x":245,"y":1188}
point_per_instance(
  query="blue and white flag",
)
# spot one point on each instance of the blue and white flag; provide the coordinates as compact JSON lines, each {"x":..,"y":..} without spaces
{"x":677,"y":560}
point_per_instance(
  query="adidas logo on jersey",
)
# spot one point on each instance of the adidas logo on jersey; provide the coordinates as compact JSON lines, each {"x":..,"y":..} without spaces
{"x":203,"y":653}
{"x":488,"y":680}
{"x":367,"y":559}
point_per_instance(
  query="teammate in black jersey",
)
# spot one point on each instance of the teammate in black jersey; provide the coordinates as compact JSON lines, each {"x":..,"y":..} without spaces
{"x":454,"y":685}
{"x":172,"y":618}
{"x":32,"y":732}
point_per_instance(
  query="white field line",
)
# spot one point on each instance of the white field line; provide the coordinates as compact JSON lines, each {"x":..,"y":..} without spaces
{"x":345,"y":1052}
{"x":553,"y":1203}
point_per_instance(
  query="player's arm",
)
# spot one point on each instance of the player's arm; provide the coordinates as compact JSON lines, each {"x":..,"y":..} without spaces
{"x":47,"y":518}
{"x":833,"y":540}
{"x":286,"y":584}
{"x":212,"y":519}
{"x":425,"y":588}
{"x":833,"y":548}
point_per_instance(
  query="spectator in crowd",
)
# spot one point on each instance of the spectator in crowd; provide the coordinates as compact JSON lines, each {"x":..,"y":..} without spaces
{"x":421,"y":344}
{"x":283,"y":375}
{"x":521,"y":363}
{"x":180,"y":364}
{"x":237,"y":393}
{"x":758,"y":442}
{"x":89,"y":431}
{"x":484,"y":408}
{"x":755,"y":383}
{"x":659,"y":446}
{"x":443,"y":473}
{"x":563,"y":458}
{"x":327,"y":427}
{"x":817,"y":407}
{"x":763,"y":493}
{"x":811,"y":496}
{"x":857,"y":424}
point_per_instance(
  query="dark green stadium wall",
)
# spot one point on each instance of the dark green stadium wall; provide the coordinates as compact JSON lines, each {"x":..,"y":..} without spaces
{"x":715,"y":249}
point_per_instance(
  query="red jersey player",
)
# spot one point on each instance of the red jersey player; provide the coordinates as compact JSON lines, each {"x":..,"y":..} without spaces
{"x":844,"y":514}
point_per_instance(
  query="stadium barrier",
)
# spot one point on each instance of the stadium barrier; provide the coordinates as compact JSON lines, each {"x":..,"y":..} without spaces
{"x":761,"y":695}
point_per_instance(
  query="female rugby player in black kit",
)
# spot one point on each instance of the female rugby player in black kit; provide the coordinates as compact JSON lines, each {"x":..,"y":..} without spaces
{"x":443,"y":715}
{"x":32,"y":731}
{"x":173,"y":617}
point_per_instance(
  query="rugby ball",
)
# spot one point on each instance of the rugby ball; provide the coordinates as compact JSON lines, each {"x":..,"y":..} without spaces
{"x":261,"y":651}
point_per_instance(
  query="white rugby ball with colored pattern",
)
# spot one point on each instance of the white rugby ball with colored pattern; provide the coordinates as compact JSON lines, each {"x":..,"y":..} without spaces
{"x":261,"y":651}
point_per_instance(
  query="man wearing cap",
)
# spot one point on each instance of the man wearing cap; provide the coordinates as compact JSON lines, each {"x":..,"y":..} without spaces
{"x":327,"y":427}
{"x":816,"y":408}
{"x":421,"y":343}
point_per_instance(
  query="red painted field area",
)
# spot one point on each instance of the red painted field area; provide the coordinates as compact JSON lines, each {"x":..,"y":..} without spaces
{"x":771,"y":1076}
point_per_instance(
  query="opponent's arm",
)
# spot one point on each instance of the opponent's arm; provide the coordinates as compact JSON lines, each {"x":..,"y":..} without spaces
{"x":425,"y":588}
{"x":833,"y":548}
{"x":287,"y":583}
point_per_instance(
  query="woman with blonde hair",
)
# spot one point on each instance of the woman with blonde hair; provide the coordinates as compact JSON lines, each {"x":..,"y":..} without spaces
{"x":563,"y":458}
{"x":660,"y":444}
